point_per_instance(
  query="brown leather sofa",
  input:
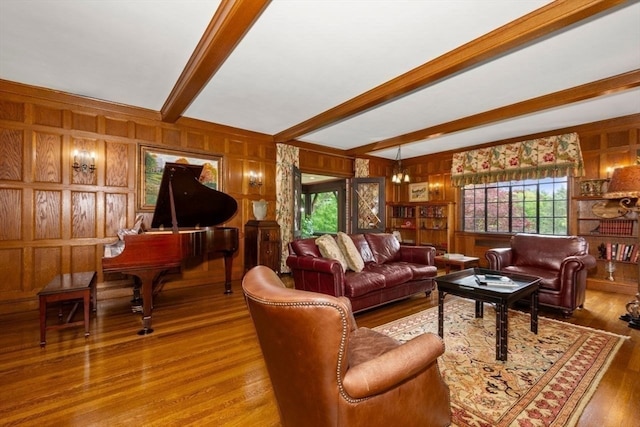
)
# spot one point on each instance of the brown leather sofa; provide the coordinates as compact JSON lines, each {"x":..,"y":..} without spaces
{"x":325,"y":371}
{"x":560,"y":261}
{"x":391,"y":271}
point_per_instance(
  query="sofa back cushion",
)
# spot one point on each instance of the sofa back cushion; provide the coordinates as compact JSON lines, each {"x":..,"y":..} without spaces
{"x":305,"y":247}
{"x":363,"y":248}
{"x":384,"y":246}
{"x":545,"y":251}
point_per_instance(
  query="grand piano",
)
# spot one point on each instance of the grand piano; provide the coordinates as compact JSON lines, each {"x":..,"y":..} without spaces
{"x":183,"y":226}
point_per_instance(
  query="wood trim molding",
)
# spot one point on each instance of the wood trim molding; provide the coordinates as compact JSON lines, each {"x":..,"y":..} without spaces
{"x":579,"y":93}
{"x":535,"y":25}
{"x":228,"y":26}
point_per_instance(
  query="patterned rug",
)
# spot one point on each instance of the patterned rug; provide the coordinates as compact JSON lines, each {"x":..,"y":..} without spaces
{"x":546,"y":381}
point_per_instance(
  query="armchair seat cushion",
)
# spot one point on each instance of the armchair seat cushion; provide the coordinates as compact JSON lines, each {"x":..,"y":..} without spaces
{"x":549,"y":279}
{"x":366,"y":344}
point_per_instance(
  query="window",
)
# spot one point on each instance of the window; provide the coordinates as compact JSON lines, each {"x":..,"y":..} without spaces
{"x":324,"y":206}
{"x":532,"y":206}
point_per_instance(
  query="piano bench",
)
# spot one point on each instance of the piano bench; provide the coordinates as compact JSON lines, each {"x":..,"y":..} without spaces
{"x":76,"y":288}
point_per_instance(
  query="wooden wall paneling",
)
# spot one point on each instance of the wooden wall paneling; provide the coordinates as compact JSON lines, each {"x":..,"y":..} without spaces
{"x":617,"y":139}
{"x":9,"y":259}
{"x":195,"y":140}
{"x":171,"y":137}
{"x":592,"y":163}
{"x":13,"y":111}
{"x":116,"y":127}
{"x":83,"y":121}
{"x":116,"y":164}
{"x":47,"y":262}
{"x":83,"y":258}
{"x":48,"y":157}
{"x":10,"y":214}
{"x":48,"y":213}
{"x":236,"y":176}
{"x":116,"y":213}
{"x":47,"y":116}
{"x":83,"y":214}
{"x":590,"y":142}
{"x":145,"y":132}
{"x":11,"y":151}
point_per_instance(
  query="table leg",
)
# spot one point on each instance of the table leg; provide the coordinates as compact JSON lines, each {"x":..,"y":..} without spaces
{"x":502,"y":326}
{"x":87,"y":310}
{"x":534,"y":312}
{"x":479,"y":309}
{"x":441,"y":313}
{"x":43,"y":321}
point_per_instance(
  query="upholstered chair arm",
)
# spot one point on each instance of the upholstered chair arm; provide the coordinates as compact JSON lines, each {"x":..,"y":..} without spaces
{"x":499,"y":258}
{"x":418,"y":254}
{"x":572,"y":265}
{"x":384,"y":372}
{"x":350,"y":318}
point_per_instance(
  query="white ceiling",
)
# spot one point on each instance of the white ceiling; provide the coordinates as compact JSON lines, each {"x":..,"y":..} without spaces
{"x":303,"y":57}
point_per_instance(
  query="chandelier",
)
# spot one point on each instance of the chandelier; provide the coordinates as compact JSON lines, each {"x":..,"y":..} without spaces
{"x":400,"y":175}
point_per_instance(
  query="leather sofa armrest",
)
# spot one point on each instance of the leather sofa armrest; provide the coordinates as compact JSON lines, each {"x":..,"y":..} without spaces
{"x":572,"y":265}
{"x":499,"y":258}
{"x":418,"y":254}
{"x":320,"y":265}
{"x":393,"y":367}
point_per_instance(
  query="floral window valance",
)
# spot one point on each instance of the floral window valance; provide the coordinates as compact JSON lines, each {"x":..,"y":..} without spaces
{"x":558,"y":155}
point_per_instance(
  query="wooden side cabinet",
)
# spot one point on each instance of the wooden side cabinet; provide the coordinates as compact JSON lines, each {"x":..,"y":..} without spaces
{"x":262,"y":245}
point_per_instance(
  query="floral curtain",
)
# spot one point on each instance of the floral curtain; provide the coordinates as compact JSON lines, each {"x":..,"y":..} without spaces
{"x":558,"y":155}
{"x":286,"y":157}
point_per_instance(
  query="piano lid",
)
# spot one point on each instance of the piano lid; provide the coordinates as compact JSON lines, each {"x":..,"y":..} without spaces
{"x":195,"y":203}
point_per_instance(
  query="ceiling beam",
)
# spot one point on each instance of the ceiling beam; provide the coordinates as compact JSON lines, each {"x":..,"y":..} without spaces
{"x":228,"y":26}
{"x":537,"y":24}
{"x":591,"y":90}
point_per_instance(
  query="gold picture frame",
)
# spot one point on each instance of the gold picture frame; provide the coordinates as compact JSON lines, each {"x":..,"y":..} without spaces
{"x":152,"y":160}
{"x":419,"y":192}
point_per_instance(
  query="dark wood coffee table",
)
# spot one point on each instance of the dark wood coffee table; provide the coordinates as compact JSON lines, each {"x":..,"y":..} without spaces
{"x":463,"y":284}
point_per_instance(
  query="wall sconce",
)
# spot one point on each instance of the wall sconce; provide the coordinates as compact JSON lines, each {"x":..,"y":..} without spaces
{"x":83,"y":161}
{"x":255,"y":179}
{"x":434,"y":189}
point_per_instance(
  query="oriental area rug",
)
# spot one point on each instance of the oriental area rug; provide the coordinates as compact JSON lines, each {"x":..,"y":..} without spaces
{"x":546,"y":381}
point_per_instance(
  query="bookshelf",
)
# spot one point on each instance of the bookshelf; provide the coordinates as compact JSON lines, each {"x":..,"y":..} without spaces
{"x":612,"y":236}
{"x":423,"y":223}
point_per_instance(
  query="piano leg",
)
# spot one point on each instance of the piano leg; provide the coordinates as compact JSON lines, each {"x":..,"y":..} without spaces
{"x":146,"y":278}
{"x":228,"y":266}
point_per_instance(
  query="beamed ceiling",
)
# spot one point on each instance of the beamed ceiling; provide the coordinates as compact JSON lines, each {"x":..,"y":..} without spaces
{"x":354,"y":75}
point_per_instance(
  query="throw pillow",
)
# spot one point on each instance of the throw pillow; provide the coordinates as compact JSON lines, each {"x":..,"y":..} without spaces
{"x":329,"y":249}
{"x":350,"y":252}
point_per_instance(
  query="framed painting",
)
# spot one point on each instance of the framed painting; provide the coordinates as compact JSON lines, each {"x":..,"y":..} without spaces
{"x":419,"y":192}
{"x":152,"y":161}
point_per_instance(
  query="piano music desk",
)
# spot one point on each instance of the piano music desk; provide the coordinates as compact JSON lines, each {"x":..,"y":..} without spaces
{"x":68,"y":287}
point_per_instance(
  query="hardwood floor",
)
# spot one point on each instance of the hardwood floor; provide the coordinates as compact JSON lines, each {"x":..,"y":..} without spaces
{"x":202,"y":365}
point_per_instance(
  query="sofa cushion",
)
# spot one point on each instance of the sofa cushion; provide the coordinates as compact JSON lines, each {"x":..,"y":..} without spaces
{"x":384,"y":246}
{"x":350,"y":252}
{"x":396,"y":273}
{"x":545,"y":251}
{"x":329,"y":249}
{"x":358,"y":284}
{"x":305,"y":247}
{"x":366,"y":344}
{"x":549,"y":279}
{"x":421,"y":271}
{"x":363,"y":247}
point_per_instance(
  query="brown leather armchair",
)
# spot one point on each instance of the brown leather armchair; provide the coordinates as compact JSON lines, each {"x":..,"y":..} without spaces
{"x":326,"y":371}
{"x":560,"y":261}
